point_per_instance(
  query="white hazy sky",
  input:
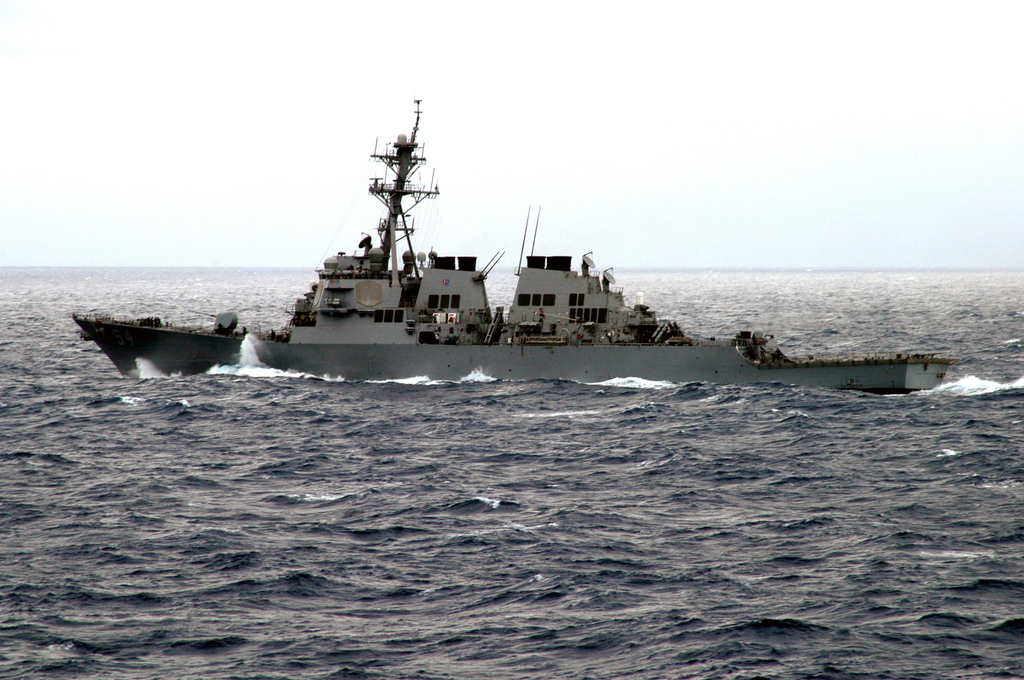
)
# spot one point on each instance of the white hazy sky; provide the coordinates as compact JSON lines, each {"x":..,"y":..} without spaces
{"x":655,"y":134}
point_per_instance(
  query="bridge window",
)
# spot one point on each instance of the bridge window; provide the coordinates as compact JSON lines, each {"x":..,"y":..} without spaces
{"x":572,"y":299}
{"x":536,"y":300}
{"x":586,"y":315}
{"x":549,"y":300}
{"x":432,"y":301}
{"x":602,"y":315}
{"x":389,"y":316}
{"x":378,"y":315}
{"x":456,"y":299}
{"x":444,"y":302}
{"x":524,"y":300}
{"x":399,"y":315}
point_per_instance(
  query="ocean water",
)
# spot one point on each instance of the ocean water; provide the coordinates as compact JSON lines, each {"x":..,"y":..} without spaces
{"x":251,"y":523}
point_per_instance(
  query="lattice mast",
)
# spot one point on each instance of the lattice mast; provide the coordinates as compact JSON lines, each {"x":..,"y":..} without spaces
{"x":403,"y":159}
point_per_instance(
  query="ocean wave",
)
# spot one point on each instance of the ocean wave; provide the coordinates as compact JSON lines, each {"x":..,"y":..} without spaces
{"x":250,"y":366}
{"x":316,"y":497}
{"x":415,"y":380}
{"x":955,"y":554}
{"x":559,"y":414}
{"x":475,"y":376}
{"x":635,"y":383}
{"x":261,"y":371}
{"x":973,"y":385}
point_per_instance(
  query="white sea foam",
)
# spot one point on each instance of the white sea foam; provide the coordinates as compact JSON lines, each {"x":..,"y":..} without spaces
{"x":415,"y":380}
{"x":956,"y":555}
{"x":645,"y":464}
{"x":250,"y":366}
{"x":558,"y":414}
{"x":132,"y":401}
{"x":61,"y":647}
{"x":314,"y":498}
{"x":724,"y":398}
{"x":1004,"y":484}
{"x":260,"y":372}
{"x":1012,"y":341}
{"x":635,"y":383}
{"x":247,"y":353}
{"x":946,"y":453}
{"x":972,"y":385}
{"x":147,"y":371}
{"x":510,"y":526}
{"x":477,"y":376}
{"x":493,"y":502}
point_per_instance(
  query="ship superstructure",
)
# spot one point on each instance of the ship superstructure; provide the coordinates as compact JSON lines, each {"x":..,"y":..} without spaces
{"x":377,"y":314}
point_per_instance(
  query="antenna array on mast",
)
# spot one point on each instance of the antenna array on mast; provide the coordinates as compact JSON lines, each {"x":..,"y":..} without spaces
{"x":403,"y":160}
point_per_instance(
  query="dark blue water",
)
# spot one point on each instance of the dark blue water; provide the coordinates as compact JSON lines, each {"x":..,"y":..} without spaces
{"x":253,"y":524}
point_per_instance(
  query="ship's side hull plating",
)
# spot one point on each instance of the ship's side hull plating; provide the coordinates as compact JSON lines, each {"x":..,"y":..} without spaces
{"x":133,"y":349}
{"x":592,"y":364}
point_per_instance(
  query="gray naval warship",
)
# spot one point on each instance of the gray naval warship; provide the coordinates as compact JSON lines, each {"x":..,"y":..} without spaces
{"x":377,"y":314}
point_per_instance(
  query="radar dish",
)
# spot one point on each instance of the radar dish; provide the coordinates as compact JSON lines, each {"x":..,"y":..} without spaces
{"x":607,"y":276}
{"x":589,"y":261}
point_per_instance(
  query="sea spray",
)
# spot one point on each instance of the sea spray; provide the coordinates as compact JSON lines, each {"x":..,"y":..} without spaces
{"x":247,"y":354}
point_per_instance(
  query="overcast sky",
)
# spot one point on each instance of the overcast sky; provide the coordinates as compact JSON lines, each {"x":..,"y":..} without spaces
{"x":654,"y":134}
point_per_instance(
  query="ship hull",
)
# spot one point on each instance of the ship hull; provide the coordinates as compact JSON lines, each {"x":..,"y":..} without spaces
{"x":135,"y":350}
{"x":597,"y":363}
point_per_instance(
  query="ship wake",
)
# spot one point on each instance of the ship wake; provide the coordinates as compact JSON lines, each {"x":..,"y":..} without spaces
{"x":972,"y":385}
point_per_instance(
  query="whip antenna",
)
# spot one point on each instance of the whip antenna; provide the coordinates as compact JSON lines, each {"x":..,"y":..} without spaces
{"x":535,"y":225}
{"x":523,"y":248}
